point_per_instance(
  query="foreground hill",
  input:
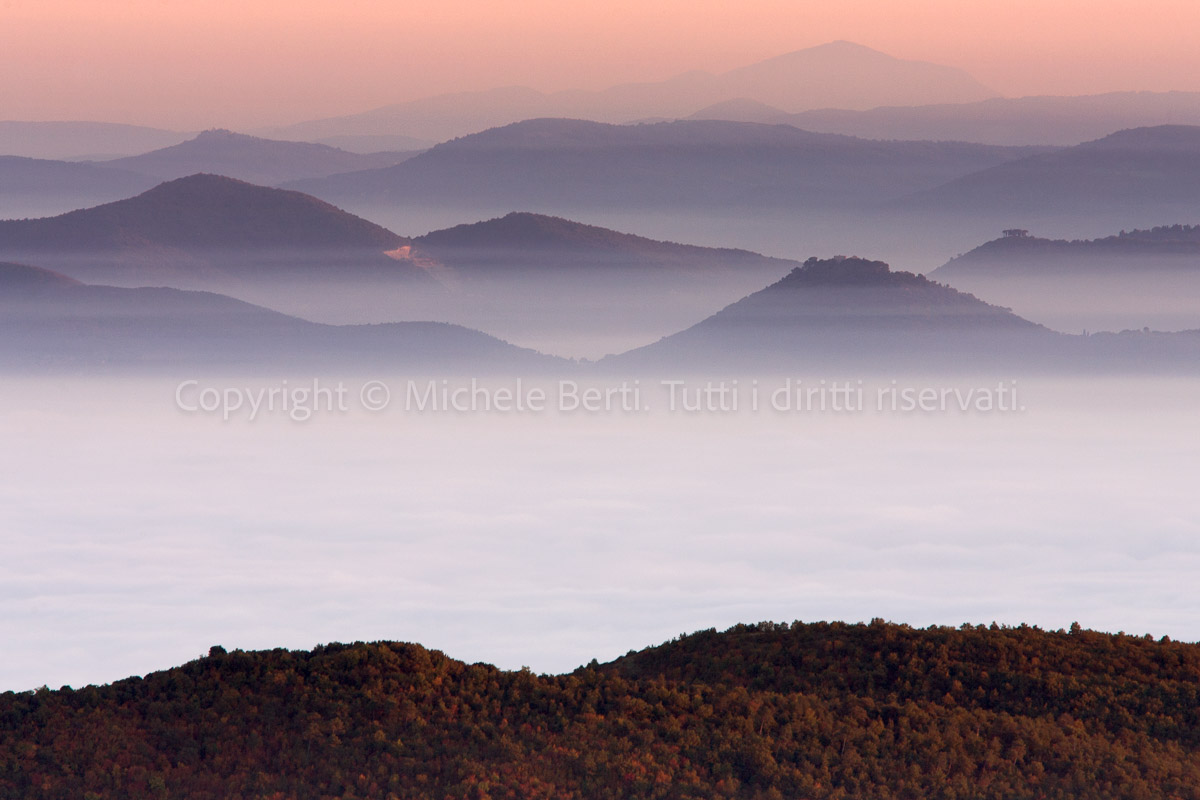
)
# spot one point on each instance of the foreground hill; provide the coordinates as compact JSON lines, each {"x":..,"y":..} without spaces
{"x":51,"y":322}
{"x":204,"y":227}
{"x":572,"y":164}
{"x":1134,"y":279}
{"x":833,"y":75}
{"x":824,"y":710}
{"x":252,"y":159}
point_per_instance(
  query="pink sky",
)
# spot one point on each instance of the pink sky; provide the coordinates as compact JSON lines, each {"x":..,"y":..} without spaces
{"x":239,"y":63}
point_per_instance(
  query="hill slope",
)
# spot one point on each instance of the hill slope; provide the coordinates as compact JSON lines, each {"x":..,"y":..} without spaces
{"x":251,"y":159}
{"x":31,"y":187}
{"x":851,"y":312}
{"x":1039,"y":120}
{"x":575,"y":289}
{"x":523,"y":241}
{"x":559,"y":164}
{"x":51,"y":322}
{"x":204,"y":227}
{"x":1136,"y":279}
{"x":1152,"y":170}
{"x":761,"y":711}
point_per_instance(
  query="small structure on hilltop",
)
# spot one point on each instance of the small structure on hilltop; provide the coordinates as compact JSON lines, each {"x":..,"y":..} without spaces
{"x":1016,"y":233}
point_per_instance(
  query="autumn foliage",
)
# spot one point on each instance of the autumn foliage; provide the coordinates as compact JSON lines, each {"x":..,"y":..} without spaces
{"x":823,"y":710}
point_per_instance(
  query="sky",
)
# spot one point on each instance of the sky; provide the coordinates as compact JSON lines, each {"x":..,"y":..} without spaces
{"x":188,"y":64}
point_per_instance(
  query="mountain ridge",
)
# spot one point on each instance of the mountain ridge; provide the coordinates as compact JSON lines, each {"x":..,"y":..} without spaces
{"x":250,"y":158}
{"x":562,"y":165}
{"x":51,"y":322}
{"x":837,"y":73}
{"x":1153,"y":169}
{"x":817,"y":710}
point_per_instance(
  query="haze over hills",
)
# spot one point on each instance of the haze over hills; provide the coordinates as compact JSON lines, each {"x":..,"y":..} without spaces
{"x":816,"y":710}
{"x":1134,"y":279}
{"x":527,"y":242}
{"x":32,"y":187}
{"x":570,"y":288}
{"x":1038,"y":120}
{"x":559,"y":165}
{"x":196,"y":230}
{"x":838,"y":74}
{"x":1144,"y":171}
{"x":843,"y":314}
{"x":74,"y":141}
{"x":852,"y":312}
{"x":251,"y":159}
{"x":51,"y":322}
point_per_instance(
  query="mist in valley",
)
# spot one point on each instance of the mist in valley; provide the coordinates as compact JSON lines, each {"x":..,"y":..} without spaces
{"x":549,"y":538}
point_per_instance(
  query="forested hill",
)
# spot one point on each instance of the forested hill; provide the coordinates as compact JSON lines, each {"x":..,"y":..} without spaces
{"x":823,"y":710}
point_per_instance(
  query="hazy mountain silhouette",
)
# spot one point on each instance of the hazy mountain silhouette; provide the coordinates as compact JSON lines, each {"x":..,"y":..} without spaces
{"x":742,"y":109}
{"x":1136,"y":279}
{"x":49,"y":321}
{"x":370,"y":144}
{"x":1153,"y":170}
{"x":522,"y":241}
{"x":1039,"y":120}
{"x":1129,"y":251}
{"x":856,"y":313}
{"x":36,"y":187}
{"x":853,"y":314}
{"x":566,"y":287}
{"x":559,"y":165}
{"x":838,"y":74}
{"x":252,"y":159}
{"x":202,"y":227}
{"x":23,"y":278}
{"x":79,"y":140}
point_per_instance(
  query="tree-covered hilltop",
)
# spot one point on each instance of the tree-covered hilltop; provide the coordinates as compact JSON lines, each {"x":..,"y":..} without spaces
{"x":824,"y":710}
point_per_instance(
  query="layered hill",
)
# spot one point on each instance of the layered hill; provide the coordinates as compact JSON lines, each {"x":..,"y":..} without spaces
{"x":1147,"y":171}
{"x":557,"y":164}
{"x":1133,"y":251}
{"x":51,"y":322}
{"x":833,"y":75}
{"x":202,"y":228}
{"x":252,"y":159}
{"x":576,"y":289}
{"x":1134,"y":279}
{"x":852,"y":312}
{"x":823,"y":710}
{"x":79,"y":140}
{"x":31,"y":187}
{"x":1038,"y":120}
{"x":525,"y":242}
